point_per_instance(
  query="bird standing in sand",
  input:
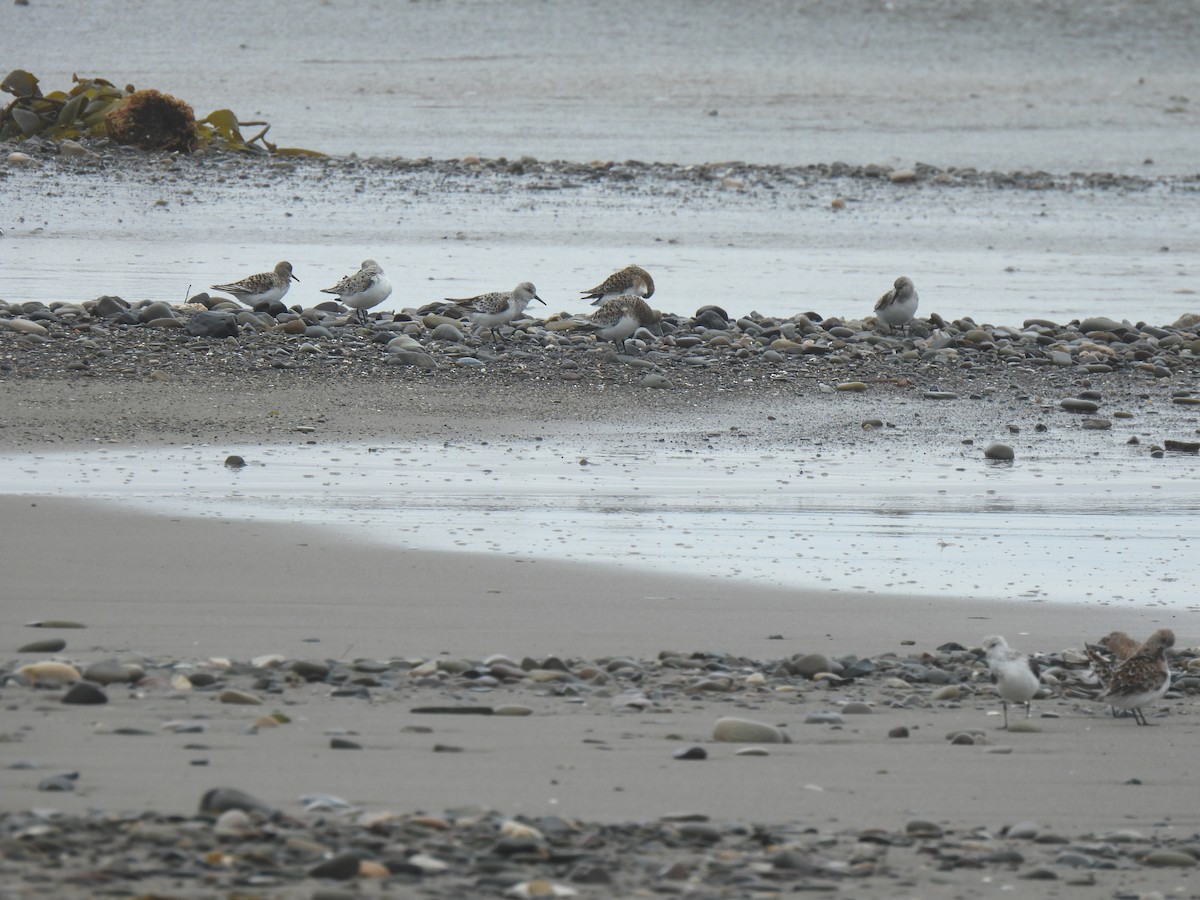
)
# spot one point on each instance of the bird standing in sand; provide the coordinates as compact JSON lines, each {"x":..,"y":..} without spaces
{"x":1143,"y":678}
{"x":1016,"y":675}
{"x":631,"y":281}
{"x":498,"y":307}
{"x":364,"y":289}
{"x":265,"y":287}
{"x":897,"y":307}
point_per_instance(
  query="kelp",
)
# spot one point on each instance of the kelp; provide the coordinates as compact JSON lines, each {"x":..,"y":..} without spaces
{"x":95,"y":107}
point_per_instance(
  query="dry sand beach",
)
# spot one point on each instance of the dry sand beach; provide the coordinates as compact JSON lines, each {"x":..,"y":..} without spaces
{"x":286,"y":710}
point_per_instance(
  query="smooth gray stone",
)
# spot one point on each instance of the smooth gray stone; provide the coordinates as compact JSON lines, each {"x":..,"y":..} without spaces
{"x":417,"y":358}
{"x":49,"y":645}
{"x":110,"y":671}
{"x":212,"y":324}
{"x":85,"y":693}
{"x":218,"y":800}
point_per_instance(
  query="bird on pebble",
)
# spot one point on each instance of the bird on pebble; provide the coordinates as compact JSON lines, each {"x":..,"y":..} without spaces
{"x":498,"y":307}
{"x":630,"y":281}
{"x":362,"y":290}
{"x":898,"y":306}
{"x":1015,"y":674}
{"x":1143,"y":678}
{"x":265,"y":287}
{"x":620,"y":317}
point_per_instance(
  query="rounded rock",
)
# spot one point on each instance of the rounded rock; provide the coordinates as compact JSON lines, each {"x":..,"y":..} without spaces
{"x":110,"y":671}
{"x":49,"y":645}
{"x":85,"y":693}
{"x":999,"y":452}
{"x":732,"y":730}
{"x":809,"y":665}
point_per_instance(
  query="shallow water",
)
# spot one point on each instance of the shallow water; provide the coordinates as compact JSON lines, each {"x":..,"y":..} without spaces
{"x":999,"y":257}
{"x":1115,"y":528}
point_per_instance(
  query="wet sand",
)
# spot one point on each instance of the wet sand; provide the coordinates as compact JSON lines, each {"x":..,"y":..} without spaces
{"x":171,"y":594}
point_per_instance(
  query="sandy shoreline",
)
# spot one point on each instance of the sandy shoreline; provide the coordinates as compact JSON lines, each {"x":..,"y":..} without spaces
{"x":156,"y":590}
{"x":981,"y":144}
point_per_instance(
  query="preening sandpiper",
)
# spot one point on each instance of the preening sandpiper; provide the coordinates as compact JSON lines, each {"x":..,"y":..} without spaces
{"x":631,"y":281}
{"x":897,"y":306}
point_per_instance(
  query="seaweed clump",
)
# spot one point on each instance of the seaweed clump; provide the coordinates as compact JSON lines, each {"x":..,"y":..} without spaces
{"x":152,"y":120}
{"x":149,"y":119}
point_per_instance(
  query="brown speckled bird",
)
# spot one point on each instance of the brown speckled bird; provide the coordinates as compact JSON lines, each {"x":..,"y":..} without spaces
{"x":631,"y":281}
{"x":1143,"y":678}
{"x":263,"y":287}
{"x":620,"y":317}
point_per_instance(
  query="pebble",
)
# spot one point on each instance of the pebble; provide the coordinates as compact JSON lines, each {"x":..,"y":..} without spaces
{"x":1169,"y":858}
{"x":733,"y":730}
{"x":49,"y":672}
{"x":809,"y":665}
{"x":63,"y":782}
{"x":218,"y":800}
{"x":232,"y":695}
{"x":512,"y":709}
{"x":342,"y":867}
{"x":110,"y":671}
{"x":55,"y":623}
{"x":49,"y":645}
{"x":822,"y":717}
{"x":690,"y":753}
{"x":1075,"y":404}
{"x":999,"y":451}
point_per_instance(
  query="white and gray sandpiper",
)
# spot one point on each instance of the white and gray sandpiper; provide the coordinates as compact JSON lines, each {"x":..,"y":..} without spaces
{"x":265,"y":287}
{"x":897,"y":307}
{"x":362,"y":290}
{"x":1016,"y":675}
{"x":497,"y":308}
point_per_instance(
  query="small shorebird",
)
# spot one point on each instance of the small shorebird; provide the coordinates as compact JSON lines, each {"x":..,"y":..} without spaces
{"x":630,"y":281}
{"x":620,"y":317}
{"x":263,"y":287}
{"x":1108,"y":653}
{"x":365,"y":288}
{"x":897,"y":306}
{"x":1016,"y":675}
{"x":498,"y":307}
{"x":1143,"y":678}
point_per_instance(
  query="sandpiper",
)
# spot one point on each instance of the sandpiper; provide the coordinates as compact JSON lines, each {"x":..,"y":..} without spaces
{"x":364,"y":289}
{"x":897,"y":306}
{"x":498,"y":307}
{"x":620,"y":317}
{"x":1143,"y":678}
{"x":265,"y":287}
{"x":1016,"y":675}
{"x":630,"y":281}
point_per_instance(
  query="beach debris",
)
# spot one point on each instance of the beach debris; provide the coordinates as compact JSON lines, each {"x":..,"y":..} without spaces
{"x":147,"y":119}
